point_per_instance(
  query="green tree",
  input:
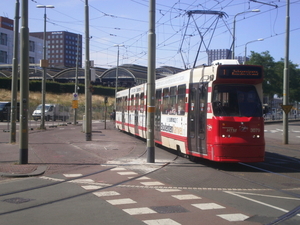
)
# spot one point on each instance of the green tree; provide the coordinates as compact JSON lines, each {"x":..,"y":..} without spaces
{"x":272,"y":83}
{"x":273,"y":75}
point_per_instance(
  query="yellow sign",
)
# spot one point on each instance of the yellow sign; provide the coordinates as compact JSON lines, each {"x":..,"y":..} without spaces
{"x":286,"y":108}
{"x":75,"y":104}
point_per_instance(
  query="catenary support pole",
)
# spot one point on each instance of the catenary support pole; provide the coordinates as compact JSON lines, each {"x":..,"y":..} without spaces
{"x":286,"y":75}
{"x":151,"y":84}
{"x":14,"y":81}
{"x":24,"y":83}
{"x":88,"y":105}
{"x":76,"y":79}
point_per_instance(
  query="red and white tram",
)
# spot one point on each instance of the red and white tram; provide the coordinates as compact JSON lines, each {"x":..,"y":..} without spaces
{"x":212,"y":112}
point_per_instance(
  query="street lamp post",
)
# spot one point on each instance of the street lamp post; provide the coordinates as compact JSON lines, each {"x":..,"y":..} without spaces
{"x":117,"y":73}
{"x":44,"y":65}
{"x":233,"y":33}
{"x":260,"y":39}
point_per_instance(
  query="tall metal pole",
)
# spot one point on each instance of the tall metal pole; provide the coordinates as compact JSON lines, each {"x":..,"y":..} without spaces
{"x":44,"y":64}
{"x":14,"y":82}
{"x":88,"y":111}
{"x":233,"y":32}
{"x":24,"y":84}
{"x":42,"y":126}
{"x":76,"y":79}
{"x":151,"y":76}
{"x":286,"y":75}
{"x":117,"y":73}
{"x":245,"y":59}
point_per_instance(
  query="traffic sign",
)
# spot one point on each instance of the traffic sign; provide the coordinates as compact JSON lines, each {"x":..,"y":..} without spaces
{"x":75,"y":104}
{"x":286,"y":108}
{"x":75,"y":96}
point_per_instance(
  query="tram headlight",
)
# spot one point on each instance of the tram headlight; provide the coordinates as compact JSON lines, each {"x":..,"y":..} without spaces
{"x":256,"y":136}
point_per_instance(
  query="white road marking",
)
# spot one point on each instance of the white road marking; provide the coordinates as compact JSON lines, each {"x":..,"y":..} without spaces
{"x":91,"y":187}
{"x":259,"y":202}
{"x":121,"y":201}
{"x":82,"y":181}
{"x":143,"y":178}
{"x":161,"y":222}
{"x":167,"y":190}
{"x":270,"y":196}
{"x":118,"y":169}
{"x":186,"y":197}
{"x":152,"y":183}
{"x":52,"y":179}
{"x":207,"y":206}
{"x":127,"y":173}
{"x":106,"y":193}
{"x":73,"y":175}
{"x":139,"y":211}
{"x":234,"y":217}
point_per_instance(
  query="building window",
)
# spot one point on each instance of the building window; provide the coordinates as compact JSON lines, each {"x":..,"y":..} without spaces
{"x":31,"y":46}
{"x":3,"y":39}
{"x":3,"y":56}
{"x":31,"y":59}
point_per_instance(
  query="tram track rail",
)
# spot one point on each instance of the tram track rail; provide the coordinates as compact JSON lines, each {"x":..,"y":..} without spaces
{"x":61,"y":181}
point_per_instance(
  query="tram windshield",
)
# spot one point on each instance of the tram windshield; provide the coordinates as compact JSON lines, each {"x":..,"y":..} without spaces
{"x":236,"y":100}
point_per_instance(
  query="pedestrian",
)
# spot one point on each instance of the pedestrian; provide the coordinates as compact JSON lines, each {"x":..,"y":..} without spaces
{"x":113,"y":115}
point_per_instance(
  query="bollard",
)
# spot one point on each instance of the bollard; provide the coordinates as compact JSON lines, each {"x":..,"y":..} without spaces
{"x":83,"y":124}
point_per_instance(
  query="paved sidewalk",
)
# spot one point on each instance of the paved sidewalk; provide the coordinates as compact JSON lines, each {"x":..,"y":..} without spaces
{"x":62,"y":148}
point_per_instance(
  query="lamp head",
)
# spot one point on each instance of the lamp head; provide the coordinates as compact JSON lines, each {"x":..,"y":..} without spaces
{"x":45,"y":6}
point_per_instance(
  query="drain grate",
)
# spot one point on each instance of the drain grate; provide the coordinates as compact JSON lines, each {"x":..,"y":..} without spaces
{"x":169,"y":209}
{"x":17,"y":200}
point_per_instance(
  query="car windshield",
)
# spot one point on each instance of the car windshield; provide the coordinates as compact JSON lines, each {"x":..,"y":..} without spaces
{"x":2,"y":105}
{"x":236,"y":100}
{"x":40,"y":107}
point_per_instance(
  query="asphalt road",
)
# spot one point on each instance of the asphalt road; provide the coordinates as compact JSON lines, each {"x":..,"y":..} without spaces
{"x":107,"y":181}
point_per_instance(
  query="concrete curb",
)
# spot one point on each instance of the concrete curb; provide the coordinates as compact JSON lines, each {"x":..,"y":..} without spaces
{"x":39,"y":171}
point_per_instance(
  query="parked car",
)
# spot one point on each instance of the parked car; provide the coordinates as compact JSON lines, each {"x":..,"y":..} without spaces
{"x":52,"y":112}
{"x":5,"y":111}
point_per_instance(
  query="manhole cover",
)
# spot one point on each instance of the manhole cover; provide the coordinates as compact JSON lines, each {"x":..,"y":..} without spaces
{"x":169,"y":209}
{"x":17,"y":200}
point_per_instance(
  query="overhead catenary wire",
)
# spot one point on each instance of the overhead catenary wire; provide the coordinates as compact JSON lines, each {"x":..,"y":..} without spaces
{"x":170,"y":25}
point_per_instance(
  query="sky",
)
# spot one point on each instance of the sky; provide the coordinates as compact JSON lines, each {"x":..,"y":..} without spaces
{"x":179,"y":34}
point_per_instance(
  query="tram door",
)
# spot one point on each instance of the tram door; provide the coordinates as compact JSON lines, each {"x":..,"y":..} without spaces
{"x":124,"y":111}
{"x":197,"y":118}
{"x":157,"y":116}
{"x":136,"y":114}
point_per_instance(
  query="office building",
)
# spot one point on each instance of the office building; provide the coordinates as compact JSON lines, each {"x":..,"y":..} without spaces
{"x":62,"y":48}
{"x":216,"y":54}
{"x":7,"y":39}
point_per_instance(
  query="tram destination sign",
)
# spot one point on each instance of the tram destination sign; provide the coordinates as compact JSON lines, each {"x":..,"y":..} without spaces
{"x":239,"y":72}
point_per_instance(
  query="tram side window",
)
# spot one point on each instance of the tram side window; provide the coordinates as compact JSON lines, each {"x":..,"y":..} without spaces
{"x":132,"y":103}
{"x":181,"y":99}
{"x":119,"y":104}
{"x":173,"y":105}
{"x":158,"y":101}
{"x":137,"y":98}
{"x":125,"y":104}
{"x":142,"y":104}
{"x":166,"y":107}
